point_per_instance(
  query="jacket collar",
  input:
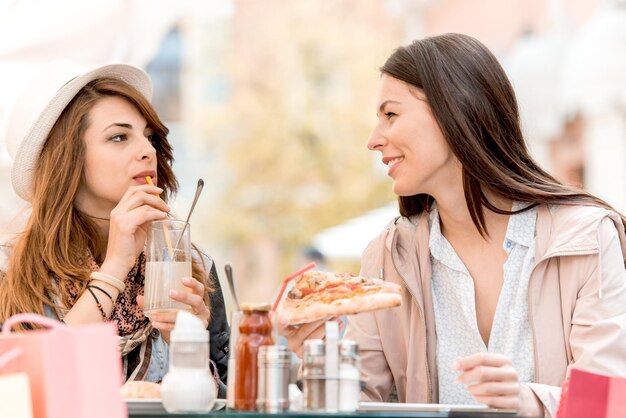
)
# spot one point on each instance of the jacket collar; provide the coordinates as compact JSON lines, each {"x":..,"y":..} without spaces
{"x":569,"y":233}
{"x":573,"y":231}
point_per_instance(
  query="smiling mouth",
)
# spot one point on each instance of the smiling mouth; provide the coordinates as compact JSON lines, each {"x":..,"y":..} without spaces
{"x":395,"y":161}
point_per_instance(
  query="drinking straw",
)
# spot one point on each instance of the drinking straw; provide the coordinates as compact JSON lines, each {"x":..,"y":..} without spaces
{"x":166,"y":232}
{"x":289,"y":278}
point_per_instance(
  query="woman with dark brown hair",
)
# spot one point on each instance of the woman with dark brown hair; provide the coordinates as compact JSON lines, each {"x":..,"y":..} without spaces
{"x":509,"y":277}
{"x":82,"y":147}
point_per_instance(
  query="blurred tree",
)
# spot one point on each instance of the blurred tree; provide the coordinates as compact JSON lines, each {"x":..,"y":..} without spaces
{"x":294,"y":126}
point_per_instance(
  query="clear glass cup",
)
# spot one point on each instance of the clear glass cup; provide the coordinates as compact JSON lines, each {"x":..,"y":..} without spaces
{"x":168,"y":260}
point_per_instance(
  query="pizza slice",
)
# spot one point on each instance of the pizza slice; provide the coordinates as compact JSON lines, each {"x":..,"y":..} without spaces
{"x":318,"y":295}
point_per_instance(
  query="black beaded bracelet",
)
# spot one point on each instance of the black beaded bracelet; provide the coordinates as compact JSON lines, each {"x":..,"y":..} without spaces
{"x":93,"y":286}
{"x":102,"y":313}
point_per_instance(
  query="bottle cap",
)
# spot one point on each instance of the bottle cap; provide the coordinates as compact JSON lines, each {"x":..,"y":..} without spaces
{"x":348,"y":348}
{"x":274,"y":353}
{"x":189,"y":328}
{"x":314,"y":347}
{"x":264,"y":306}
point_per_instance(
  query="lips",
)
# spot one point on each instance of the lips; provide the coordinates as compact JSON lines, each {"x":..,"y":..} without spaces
{"x":141,"y":177}
{"x":392,"y":163}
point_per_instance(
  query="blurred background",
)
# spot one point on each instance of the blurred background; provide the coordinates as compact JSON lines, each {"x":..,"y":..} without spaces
{"x":271,"y":102}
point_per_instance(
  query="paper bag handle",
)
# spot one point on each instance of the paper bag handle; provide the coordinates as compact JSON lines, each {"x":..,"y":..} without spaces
{"x":32,"y":318}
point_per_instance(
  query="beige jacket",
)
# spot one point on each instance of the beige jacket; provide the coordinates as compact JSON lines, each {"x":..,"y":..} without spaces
{"x":577,"y":305}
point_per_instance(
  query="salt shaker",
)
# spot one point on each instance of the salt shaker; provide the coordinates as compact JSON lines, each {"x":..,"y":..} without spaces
{"x":313,"y":375}
{"x":188,"y":386}
{"x":349,"y":376}
{"x":273,"y":381}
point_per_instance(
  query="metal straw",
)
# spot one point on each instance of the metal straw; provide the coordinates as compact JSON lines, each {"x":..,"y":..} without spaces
{"x":231,"y":284}
{"x":199,"y":188}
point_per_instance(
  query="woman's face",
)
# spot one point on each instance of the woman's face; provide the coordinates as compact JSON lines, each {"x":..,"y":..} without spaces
{"x":410,"y":141}
{"x":118,"y":154}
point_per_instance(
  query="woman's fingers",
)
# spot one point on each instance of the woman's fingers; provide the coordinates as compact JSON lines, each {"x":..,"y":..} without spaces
{"x":480,"y":359}
{"x":491,"y":379}
{"x":195,"y":298}
{"x":491,"y":389}
{"x":500,"y":402}
{"x":296,"y":334}
{"x":139,"y":195}
{"x":195,"y":285}
{"x":488,"y":373}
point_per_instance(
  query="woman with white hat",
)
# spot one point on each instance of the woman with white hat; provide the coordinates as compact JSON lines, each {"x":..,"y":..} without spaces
{"x":83,"y":144}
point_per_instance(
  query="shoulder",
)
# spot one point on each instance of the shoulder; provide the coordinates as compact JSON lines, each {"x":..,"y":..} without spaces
{"x":399,"y":232}
{"x":577,"y":226}
{"x":397,"y":225}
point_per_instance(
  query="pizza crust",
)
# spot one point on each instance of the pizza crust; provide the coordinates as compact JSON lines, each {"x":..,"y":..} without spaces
{"x":296,"y":314}
{"x":137,"y":389}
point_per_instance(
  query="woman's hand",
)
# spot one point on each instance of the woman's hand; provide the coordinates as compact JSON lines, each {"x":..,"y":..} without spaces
{"x":165,"y":321}
{"x":296,"y":334}
{"x":492,"y":380}
{"x":128,"y":227}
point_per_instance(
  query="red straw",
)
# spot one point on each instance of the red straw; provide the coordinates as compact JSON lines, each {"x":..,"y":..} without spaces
{"x":290,"y":278}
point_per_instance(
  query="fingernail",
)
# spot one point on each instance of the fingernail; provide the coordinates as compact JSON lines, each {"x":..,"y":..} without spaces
{"x":186,"y":280}
{"x":173,"y":293}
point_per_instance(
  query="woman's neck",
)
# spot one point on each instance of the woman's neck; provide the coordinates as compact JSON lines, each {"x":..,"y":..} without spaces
{"x":456,"y":221}
{"x":101,"y":221}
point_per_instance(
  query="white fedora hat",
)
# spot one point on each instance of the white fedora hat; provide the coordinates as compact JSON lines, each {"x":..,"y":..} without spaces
{"x":40,"y":104}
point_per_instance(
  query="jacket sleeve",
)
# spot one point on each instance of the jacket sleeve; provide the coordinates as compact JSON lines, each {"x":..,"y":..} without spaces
{"x":363,"y":328}
{"x":598,"y":334}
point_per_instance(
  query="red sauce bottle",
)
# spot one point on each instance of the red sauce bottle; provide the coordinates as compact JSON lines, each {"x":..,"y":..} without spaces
{"x":255,"y":330}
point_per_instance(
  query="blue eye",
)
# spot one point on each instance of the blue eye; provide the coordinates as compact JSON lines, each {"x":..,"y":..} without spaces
{"x":118,"y":138}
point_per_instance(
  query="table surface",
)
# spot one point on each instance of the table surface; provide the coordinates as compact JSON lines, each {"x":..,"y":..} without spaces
{"x":148,"y":408}
{"x":372,"y":414}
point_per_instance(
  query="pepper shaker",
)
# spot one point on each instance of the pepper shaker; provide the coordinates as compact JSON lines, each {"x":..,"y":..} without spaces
{"x":273,"y":380}
{"x":313,"y":375}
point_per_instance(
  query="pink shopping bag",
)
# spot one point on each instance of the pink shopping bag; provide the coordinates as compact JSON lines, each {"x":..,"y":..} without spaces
{"x":589,"y":395}
{"x":74,"y":372}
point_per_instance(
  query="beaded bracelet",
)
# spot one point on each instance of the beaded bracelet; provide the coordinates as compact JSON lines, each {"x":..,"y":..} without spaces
{"x":108,"y":279}
{"x":102,"y":313}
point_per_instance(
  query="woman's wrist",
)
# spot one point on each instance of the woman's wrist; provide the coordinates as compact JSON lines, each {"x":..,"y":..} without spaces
{"x":530,"y":405}
{"x":113,"y":270}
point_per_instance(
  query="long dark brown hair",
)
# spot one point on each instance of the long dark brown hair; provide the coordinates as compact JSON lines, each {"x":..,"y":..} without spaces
{"x":475,"y":106}
{"x":57,"y":235}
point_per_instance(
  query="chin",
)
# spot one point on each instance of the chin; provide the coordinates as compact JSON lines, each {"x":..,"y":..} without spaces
{"x":403,"y":191}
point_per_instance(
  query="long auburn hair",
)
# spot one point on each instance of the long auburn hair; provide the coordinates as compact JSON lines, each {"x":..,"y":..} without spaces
{"x":58,"y":238}
{"x":475,"y":107}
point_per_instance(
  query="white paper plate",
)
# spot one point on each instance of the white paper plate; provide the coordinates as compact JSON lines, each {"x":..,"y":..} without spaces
{"x":156,"y":406}
{"x":430,"y":407}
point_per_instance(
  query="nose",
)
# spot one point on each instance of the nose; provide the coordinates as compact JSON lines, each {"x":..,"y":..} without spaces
{"x":147,"y":150}
{"x":377,"y":139}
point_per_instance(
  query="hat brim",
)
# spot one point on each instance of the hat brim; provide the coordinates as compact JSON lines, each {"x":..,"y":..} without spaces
{"x":29,"y":151}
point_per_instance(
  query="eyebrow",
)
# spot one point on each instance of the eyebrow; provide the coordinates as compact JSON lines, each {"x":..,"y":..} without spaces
{"x":121,"y":125}
{"x":385,"y":103}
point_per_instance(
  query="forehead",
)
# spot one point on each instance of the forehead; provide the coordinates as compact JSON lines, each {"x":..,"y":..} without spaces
{"x":112,"y":107}
{"x":391,"y":88}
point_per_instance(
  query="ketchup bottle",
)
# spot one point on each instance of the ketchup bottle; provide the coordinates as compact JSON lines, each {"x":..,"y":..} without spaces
{"x":255,"y":330}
